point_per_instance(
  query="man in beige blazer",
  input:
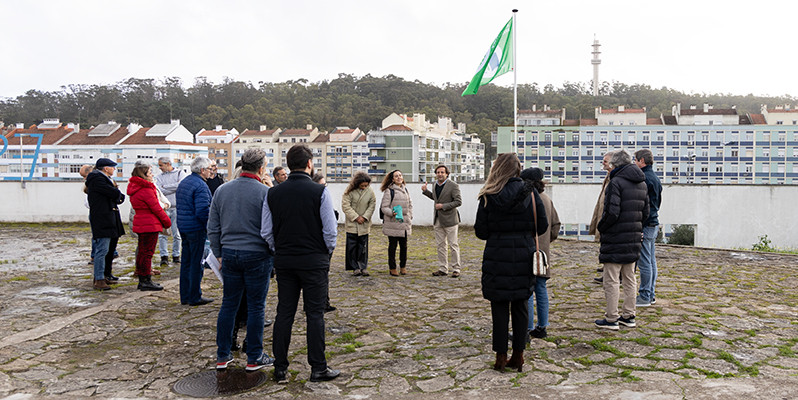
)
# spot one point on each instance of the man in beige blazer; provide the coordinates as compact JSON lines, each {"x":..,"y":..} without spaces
{"x":446,"y":195}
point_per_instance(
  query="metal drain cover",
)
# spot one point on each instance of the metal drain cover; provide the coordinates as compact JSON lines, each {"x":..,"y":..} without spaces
{"x":220,"y":383}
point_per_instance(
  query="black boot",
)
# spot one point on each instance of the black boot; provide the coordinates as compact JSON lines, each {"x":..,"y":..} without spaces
{"x":146,"y":284}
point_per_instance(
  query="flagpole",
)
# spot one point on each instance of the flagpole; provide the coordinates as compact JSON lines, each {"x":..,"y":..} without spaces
{"x":515,"y":88}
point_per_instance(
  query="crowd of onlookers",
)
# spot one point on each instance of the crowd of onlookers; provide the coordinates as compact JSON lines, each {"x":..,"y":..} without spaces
{"x":257,"y":226}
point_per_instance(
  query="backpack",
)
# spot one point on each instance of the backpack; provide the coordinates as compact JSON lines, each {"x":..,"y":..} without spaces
{"x":382,"y":215}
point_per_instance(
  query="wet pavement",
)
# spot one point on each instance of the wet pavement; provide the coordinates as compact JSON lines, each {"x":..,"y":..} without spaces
{"x":725,"y":325}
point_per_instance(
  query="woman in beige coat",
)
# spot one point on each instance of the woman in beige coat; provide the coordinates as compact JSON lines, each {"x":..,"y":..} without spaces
{"x":358,"y":204}
{"x":539,"y":301}
{"x":394,"y":193}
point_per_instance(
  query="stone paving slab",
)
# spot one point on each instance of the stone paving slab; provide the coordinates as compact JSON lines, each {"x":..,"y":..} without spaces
{"x":724,"y":326}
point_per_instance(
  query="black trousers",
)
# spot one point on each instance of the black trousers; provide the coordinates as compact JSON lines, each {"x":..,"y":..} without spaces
{"x":357,"y":251}
{"x":109,"y":258}
{"x":500,"y":311}
{"x":392,"y":241}
{"x":313,"y":285}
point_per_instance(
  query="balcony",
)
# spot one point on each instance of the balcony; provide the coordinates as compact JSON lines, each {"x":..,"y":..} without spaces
{"x":376,"y":171}
{"x":376,"y":158}
{"x":376,"y":145}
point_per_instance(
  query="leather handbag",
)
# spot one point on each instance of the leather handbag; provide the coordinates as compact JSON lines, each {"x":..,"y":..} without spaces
{"x":540,"y":263}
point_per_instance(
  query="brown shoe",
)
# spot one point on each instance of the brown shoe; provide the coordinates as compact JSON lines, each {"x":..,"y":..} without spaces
{"x":439,"y":273}
{"x":393,"y":272}
{"x":501,"y":361}
{"x":403,"y":271}
{"x":101,"y":284}
{"x":455,"y":274}
{"x":156,"y":271}
{"x":517,"y":360}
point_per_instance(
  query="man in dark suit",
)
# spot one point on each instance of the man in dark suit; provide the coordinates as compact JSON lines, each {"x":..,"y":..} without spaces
{"x":446,"y":220}
{"x":298,"y":223}
{"x":106,"y":225}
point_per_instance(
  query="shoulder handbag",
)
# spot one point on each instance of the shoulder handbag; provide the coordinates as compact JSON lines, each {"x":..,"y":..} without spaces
{"x":540,"y":264}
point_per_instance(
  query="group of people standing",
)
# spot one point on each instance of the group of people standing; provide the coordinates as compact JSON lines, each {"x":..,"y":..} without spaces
{"x":253,"y":225}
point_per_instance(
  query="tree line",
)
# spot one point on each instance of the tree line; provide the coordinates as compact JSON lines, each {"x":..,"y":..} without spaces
{"x":347,"y":100}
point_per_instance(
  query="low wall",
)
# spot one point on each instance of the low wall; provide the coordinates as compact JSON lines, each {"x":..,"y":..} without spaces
{"x":725,"y":215}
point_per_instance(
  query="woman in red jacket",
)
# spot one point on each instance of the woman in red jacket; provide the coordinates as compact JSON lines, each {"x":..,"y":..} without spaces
{"x":149,"y":221}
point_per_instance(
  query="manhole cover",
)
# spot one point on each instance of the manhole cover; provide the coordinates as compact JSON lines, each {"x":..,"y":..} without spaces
{"x":216,"y":383}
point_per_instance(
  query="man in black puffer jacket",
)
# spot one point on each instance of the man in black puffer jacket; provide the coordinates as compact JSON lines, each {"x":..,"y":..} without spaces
{"x":621,"y":226}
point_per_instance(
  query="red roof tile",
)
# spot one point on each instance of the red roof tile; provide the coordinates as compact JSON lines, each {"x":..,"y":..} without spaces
{"x":781,"y":110}
{"x":50,"y":136}
{"x":758,"y":119}
{"x":82,"y":138}
{"x":570,"y":122}
{"x":295,"y":132}
{"x":588,"y":121}
{"x":321,"y":138}
{"x":653,"y":121}
{"x":253,"y":132}
{"x":397,"y":128}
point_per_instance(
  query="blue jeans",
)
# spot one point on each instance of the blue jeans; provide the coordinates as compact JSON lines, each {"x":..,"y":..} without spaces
{"x":191,"y":270}
{"x":243,"y":272}
{"x":648,"y":264}
{"x":163,"y":240}
{"x":542,"y":297}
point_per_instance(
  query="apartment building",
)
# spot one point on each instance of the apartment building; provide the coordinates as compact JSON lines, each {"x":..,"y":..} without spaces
{"x":54,"y":151}
{"x":416,"y":146}
{"x":700,"y":145}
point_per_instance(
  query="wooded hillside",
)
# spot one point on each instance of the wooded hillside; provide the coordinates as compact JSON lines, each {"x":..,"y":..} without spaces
{"x":344,"y":101}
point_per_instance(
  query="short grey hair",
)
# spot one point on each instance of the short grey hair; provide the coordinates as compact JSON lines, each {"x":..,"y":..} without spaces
{"x":619,"y":159}
{"x":200,"y":163}
{"x":253,"y":159}
{"x":165,"y":160}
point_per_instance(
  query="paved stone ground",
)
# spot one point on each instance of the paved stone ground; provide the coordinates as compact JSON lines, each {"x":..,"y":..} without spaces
{"x":725,"y":325}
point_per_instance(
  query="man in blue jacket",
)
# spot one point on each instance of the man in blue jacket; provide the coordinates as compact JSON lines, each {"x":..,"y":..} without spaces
{"x":298,"y":223}
{"x":648,"y":260}
{"x":193,"y":206}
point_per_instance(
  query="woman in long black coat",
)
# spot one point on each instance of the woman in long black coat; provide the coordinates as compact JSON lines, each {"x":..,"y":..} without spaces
{"x":505,"y":220}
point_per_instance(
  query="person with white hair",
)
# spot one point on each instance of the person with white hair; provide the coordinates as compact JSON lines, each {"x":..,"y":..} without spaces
{"x":193,"y":207}
{"x":167,"y":182}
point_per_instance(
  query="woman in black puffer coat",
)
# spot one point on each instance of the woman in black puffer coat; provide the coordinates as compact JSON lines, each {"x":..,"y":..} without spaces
{"x":505,"y":221}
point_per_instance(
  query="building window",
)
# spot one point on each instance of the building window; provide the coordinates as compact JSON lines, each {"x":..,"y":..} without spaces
{"x":704,"y":168}
{"x":547,"y":137}
{"x":675,"y":137}
{"x":735,"y":153}
{"x":675,"y":169}
{"x":766,"y":152}
{"x":675,"y":152}
{"x":718,"y":168}
{"x":590,"y":151}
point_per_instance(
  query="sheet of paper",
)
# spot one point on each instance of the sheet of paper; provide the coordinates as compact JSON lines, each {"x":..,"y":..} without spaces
{"x":215,"y":266}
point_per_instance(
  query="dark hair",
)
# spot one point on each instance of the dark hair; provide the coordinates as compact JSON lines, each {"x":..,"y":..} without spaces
{"x":298,"y":156}
{"x":360,"y":177}
{"x":444,"y":167}
{"x":276,"y":170}
{"x":140,"y":170}
{"x":388,"y":180}
{"x":645,"y":155}
{"x":317,"y":177}
{"x":253,"y":159}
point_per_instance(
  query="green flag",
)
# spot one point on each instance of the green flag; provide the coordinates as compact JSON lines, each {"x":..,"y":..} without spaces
{"x":497,"y":61}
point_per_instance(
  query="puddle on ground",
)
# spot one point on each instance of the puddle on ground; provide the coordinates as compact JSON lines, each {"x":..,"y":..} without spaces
{"x":747,"y":257}
{"x":57,"y":295}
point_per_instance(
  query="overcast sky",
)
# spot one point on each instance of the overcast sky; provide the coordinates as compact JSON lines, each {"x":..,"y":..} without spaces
{"x":698,"y":46}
